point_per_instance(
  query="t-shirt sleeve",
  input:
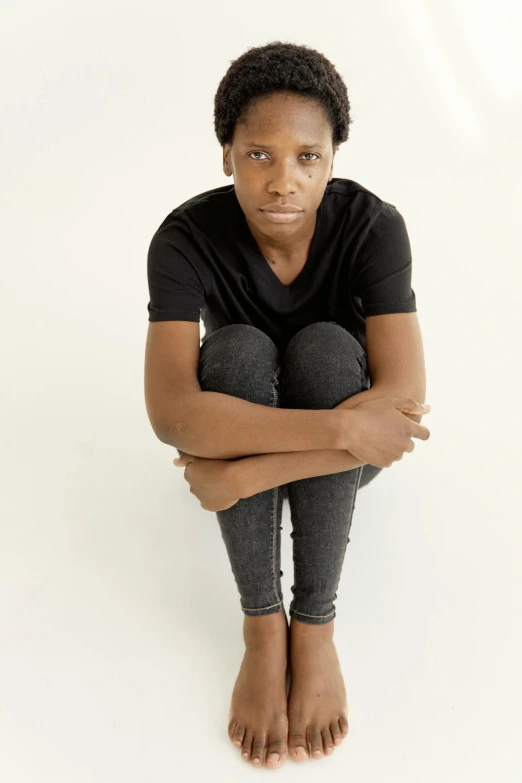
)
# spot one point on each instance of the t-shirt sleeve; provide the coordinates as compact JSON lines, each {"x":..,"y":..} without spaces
{"x":383,"y":266}
{"x":176,"y":290}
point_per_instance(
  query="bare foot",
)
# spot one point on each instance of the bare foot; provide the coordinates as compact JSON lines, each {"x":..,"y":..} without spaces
{"x":258,"y":718}
{"x":317,"y":706}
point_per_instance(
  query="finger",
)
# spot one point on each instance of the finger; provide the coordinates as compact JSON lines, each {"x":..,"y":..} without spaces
{"x":412,"y":406}
{"x":184,"y":459}
{"x":419,"y":431}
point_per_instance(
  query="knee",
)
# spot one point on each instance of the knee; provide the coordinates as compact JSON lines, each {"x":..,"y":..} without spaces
{"x":323,"y":365}
{"x":239,"y":360}
{"x":325,"y":336}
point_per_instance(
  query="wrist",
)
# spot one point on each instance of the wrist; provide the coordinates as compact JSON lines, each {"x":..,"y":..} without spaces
{"x":344,"y":425}
{"x":238,"y":476}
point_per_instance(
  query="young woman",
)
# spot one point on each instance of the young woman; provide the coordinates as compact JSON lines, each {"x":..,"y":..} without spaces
{"x":309,"y":379}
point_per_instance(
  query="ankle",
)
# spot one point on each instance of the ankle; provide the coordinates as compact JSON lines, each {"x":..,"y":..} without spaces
{"x":311,"y":631}
{"x":267,"y":628}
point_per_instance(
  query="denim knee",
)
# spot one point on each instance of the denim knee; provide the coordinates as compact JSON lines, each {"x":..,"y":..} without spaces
{"x":328,"y":345}
{"x":323,"y":365}
{"x":239,"y":360}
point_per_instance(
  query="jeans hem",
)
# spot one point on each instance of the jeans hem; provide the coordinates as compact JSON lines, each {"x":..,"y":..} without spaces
{"x":312,"y":619}
{"x":272,"y":609}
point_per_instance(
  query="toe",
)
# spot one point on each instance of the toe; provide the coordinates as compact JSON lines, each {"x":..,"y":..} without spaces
{"x":277,"y":751}
{"x":343,"y":723}
{"x":246,"y":749}
{"x":238,"y":735}
{"x":316,"y":741}
{"x":328,"y":745}
{"x":335,"y":731}
{"x":258,"y":749}
{"x":298,"y":746}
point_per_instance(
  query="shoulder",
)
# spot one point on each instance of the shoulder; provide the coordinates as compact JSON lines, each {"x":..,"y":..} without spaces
{"x":203,"y":213}
{"x":361,"y":206}
{"x":363,"y":218}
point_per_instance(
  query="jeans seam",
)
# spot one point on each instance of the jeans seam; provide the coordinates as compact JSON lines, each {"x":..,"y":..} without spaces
{"x":274,"y":404}
{"x":349,"y":526}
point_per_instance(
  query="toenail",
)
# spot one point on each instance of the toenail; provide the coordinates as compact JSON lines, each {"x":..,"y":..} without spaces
{"x":257,"y":761}
{"x":245,"y":754}
{"x":274,"y":756}
{"x":317,"y":752}
{"x":300,"y":751}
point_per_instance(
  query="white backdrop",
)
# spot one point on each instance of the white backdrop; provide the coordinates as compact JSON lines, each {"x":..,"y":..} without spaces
{"x":120,"y":626}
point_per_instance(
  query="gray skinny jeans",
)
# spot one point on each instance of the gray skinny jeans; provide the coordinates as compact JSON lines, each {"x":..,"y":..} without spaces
{"x":322,"y":365}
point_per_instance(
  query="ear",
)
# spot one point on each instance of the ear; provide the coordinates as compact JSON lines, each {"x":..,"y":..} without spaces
{"x":227,"y":164}
{"x":331,"y":167}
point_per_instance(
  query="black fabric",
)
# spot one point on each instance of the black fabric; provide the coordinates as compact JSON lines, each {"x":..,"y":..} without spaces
{"x":204,"y":261}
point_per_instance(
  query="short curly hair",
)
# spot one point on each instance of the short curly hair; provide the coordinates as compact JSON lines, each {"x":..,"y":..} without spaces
{"x":276,"y":67}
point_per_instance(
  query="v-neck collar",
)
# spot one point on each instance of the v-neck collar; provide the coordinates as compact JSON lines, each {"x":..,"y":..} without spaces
{"x":261,"y":265}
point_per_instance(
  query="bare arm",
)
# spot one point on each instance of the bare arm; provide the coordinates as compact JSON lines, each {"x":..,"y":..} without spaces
{"x":220,"y":426}
{"x":265,"y":471}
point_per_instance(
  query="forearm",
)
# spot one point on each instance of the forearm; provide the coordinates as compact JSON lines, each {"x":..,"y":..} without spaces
{"x":220,"y":426}
{"x":266,"y":471}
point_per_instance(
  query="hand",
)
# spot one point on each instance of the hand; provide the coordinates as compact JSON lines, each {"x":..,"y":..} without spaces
{"x":380,"y":431}
{"x":210,"y":481}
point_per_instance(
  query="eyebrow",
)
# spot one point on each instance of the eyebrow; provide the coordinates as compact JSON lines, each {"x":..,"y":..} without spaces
{"x":270,"y":147}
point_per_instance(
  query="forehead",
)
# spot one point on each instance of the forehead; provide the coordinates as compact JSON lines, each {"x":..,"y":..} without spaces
{"x":286,"y":116}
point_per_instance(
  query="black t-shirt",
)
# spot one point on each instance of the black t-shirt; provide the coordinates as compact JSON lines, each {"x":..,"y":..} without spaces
{"x":203,"y":259}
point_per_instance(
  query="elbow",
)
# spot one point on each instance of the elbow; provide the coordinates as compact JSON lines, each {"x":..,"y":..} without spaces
{"x":174,"y":426}
{"x":164,"y":431}
{"x":165,"y":425}
{"x":168,"y":433}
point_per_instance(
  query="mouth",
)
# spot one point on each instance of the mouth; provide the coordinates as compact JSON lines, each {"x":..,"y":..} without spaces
{"x":280,"y":217}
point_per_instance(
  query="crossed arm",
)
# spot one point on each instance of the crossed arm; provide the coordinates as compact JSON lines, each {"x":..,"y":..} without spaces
{"x":396,"y":368}
{"x":265,"y":471}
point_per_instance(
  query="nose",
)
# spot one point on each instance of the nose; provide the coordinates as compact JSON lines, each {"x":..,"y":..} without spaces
{"x":282,"y":179}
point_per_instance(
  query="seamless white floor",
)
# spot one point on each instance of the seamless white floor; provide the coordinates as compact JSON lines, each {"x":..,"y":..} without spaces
{"x":120,"y":626}
{"x":121,"y":633}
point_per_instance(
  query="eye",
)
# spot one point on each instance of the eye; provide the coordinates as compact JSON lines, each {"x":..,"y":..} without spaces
{"x":257,"y":152}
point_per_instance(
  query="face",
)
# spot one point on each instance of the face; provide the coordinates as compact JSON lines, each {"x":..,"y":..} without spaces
{"x":281,"y":155}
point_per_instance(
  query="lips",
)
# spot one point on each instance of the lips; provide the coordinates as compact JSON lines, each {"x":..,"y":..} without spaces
{"x":280,"y":208}
{"x":281,"y":217}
